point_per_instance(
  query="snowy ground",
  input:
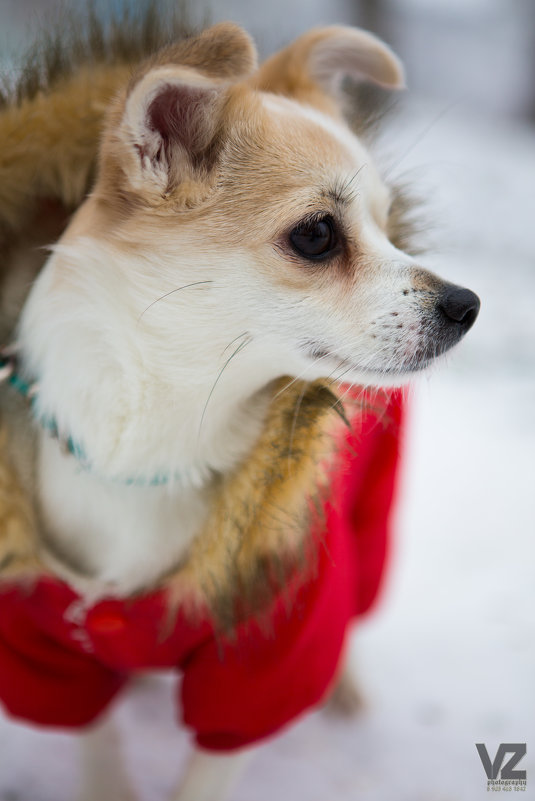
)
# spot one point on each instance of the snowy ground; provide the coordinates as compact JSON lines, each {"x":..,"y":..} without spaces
{"x":448,"y":659}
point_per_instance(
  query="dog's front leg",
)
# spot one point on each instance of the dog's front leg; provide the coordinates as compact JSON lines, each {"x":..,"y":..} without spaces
{"x":210,"y":776}
{"x":103,"y":776}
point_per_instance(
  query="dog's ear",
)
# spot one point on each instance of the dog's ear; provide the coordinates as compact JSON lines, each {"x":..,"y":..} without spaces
{"x":167,"y":132}
{"x":312,"y":68}
{"x":171,"y":119}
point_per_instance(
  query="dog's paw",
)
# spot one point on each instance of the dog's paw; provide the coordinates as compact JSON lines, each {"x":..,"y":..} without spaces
{"x":346,"y":699}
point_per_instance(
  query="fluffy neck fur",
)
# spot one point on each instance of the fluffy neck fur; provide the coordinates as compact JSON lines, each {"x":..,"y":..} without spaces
{"x":139,"y":403}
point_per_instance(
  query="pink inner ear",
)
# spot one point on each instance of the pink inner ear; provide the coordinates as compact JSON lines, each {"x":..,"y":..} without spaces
{"x":180,"y":115}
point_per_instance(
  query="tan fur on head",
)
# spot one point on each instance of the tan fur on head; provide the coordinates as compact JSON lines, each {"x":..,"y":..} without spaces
{"x":224,"y":52}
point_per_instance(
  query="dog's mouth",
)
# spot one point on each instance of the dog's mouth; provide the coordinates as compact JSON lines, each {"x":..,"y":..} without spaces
{"x":397,"y":358}
{"x":407,"y":346}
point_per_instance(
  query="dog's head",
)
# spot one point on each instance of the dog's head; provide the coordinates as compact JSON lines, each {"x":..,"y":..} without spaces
{"x":246,"y":188}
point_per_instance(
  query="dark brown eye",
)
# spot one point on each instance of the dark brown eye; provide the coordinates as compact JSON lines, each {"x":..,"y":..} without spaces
{"x":314,"y":239}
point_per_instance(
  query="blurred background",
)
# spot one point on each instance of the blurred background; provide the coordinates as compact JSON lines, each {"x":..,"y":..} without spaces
{"x":448,"y":657}
{"x":478,"y":52}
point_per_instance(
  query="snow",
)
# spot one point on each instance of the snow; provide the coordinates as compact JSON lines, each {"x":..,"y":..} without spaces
{"x":448,"y":658}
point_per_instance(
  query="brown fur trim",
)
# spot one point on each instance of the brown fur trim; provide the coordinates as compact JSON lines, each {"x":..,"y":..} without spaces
{"x":19,"y":541}
{"x":49,"y":144}
{"x":257,"y":531}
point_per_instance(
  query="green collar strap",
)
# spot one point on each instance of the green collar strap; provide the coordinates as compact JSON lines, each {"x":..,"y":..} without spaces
{"x":29,"y":391}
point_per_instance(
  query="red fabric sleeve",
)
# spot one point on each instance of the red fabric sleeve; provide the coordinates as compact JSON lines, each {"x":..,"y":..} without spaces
{"x":42,"y":680}
{"x":236,"y":693}
{"x":363,"y":493}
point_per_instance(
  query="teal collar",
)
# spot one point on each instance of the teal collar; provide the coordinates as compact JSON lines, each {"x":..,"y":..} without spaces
{"x":29,"y":391}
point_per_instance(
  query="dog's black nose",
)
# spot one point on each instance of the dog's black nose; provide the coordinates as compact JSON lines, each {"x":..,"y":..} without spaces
{"x":460,"y":306}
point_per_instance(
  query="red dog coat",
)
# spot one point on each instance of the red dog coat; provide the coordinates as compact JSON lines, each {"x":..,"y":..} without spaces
{"x":60,"y":664}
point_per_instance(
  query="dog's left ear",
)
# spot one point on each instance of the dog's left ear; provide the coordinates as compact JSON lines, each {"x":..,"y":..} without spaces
{"x":311,"y":69}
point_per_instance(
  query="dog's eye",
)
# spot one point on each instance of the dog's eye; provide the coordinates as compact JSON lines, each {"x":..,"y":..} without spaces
{"x":314,"y":239}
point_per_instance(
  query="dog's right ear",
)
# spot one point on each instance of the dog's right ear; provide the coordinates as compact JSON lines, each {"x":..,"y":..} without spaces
{"x":311,"y":68}
{"x":166,"y":134}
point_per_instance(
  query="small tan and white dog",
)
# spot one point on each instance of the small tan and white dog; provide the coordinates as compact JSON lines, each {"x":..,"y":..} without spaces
{"x":237,"y":232}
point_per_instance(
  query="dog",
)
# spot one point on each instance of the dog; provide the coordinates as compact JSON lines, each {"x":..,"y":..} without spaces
{"x":237,"y":234}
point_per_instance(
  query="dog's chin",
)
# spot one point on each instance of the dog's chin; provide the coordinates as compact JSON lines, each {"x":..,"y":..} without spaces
{"x":382,"y":377}
{"x":391,"y":377}
{"x":396,"y":372}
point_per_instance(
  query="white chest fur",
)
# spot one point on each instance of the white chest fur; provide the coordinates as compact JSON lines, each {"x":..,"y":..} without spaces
{"x":108,"y":536}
